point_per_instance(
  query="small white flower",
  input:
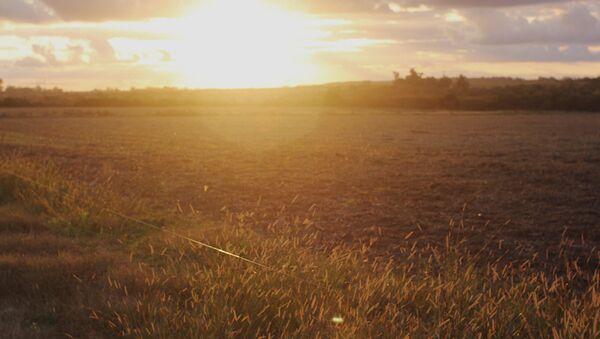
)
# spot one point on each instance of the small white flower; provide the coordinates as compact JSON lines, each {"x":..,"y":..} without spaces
{"x":337,"y":320}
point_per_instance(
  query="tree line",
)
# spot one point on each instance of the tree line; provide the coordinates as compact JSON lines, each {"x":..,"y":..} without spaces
{"x":412,"y":91}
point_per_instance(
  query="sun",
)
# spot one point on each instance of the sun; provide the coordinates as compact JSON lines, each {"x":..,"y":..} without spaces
{"x":244,"y":43}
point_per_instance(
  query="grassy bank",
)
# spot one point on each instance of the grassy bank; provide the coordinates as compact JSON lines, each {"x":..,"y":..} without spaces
{"x":70,"y":269}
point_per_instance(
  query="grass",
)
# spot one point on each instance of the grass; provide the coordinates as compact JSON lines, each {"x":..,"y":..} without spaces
{"x":69,"y":269}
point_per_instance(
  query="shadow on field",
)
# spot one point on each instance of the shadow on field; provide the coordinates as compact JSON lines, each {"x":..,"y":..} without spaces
{"x":46,"y":279}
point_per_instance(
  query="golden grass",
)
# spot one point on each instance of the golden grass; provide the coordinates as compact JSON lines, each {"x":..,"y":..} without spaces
{"x":88,"y":273}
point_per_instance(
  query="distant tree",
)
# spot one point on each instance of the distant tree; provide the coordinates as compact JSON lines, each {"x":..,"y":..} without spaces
{"x":414,"y":76}
{"x":462,"y":84}
{"x":450,"y":101}
{"x":445,"y":82}
{"x":1,"y":85}
{"x":397,"y":79}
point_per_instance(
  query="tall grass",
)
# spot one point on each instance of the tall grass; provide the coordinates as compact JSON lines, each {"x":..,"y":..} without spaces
{"x":148,"y":284}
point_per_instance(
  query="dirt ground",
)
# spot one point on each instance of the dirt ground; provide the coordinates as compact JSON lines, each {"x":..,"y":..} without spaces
{"x":516,"y":177}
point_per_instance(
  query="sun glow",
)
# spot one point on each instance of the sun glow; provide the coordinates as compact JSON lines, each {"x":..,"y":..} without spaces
{"x":244,"y":43}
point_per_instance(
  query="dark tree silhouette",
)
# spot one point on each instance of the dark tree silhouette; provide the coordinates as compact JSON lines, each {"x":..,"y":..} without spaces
{"x":462,"y":84}
{"x":445,"y":82}
{"x":414,"y":77}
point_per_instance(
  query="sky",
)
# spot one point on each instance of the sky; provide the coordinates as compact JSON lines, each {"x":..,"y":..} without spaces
{"x":82,"y":45}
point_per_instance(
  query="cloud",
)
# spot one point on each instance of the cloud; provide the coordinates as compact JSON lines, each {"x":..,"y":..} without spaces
{"x":86,"y":30}
{"x":482,"y":3}
{"x":103,"y":10}
{"x":56,"y":52}
{"x":103,"y":50}
{"x":408,"y":6}
{"x":537,"y":53}
{"x":25,"y":11}
{"x":574,"y":25}
{"x":30,"y":62}
{"x":46,"y":53}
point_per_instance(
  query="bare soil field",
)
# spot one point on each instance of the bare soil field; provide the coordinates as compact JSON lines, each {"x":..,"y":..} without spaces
{"x":519,"y":183}
{"x":516,"y":177}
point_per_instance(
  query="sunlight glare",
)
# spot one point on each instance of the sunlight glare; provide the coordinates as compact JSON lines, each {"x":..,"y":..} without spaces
{"x":251,"y":43}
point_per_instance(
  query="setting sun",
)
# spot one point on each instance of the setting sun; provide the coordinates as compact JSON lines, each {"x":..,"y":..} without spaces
{"x":244,"y":44}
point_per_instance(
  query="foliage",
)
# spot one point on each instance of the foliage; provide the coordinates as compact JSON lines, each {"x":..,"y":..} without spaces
{"x":413,"y":91}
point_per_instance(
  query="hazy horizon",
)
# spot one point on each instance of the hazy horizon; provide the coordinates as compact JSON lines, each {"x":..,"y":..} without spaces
{"x":76,"y":89}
